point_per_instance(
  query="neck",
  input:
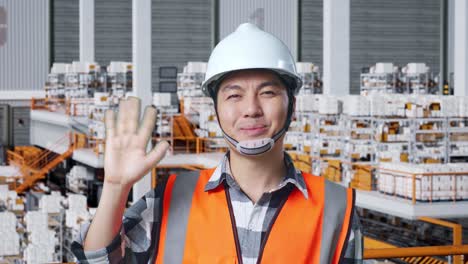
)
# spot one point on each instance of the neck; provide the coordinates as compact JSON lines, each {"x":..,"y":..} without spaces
{"x":258,"y":174}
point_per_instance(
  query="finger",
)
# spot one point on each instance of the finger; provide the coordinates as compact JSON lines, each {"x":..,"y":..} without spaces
{"x":109,"y":122}
{"x":156,"y":154}
{"x":122,"y":117}
{"x":147,"y":125}
{"x":133,"y":114}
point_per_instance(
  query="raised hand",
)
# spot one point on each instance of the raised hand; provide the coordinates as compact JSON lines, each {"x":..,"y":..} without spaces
{"x":125,"y":159}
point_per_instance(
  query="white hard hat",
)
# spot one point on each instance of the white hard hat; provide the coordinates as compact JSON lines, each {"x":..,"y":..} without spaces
{"x":250,"y":48}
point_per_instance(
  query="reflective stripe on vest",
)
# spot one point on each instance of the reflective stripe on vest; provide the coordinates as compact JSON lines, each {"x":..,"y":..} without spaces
{"x":196,"y":226}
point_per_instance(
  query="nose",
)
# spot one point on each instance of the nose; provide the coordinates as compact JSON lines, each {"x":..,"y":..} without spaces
{"x":253,"y":107}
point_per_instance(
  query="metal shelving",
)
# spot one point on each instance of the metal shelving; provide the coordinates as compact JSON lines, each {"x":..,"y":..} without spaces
{"x":429,"y":140}
{"x":327,"y":140}
{"x":378,"y":83}
{"x":56,"y":222}
{"x":457,"y":134}
{"x":358,"y":138}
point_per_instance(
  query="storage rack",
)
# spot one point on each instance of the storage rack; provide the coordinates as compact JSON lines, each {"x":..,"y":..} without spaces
{"x":457,"y":134}
{"x":299,"y":136}
{"x":56,"y":222}
{"x":358,"y":135}
{"x":393,"y":138}
{"x":189,"y":84}
{"x":420,"y":83}
{"x":327,"y":140}
{"x":311,"y":83}
{"x":358,"y":152}
{"x":378,"y":83}
{"x":429,"y":140}
{"x":67,"y":242}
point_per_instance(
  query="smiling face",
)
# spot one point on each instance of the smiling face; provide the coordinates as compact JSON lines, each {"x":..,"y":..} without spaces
{"x":252,"y":104}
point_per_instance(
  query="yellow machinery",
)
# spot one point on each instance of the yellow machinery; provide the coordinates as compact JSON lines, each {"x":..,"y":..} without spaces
{"x":375,"y":249}
{"x":35,"y":163}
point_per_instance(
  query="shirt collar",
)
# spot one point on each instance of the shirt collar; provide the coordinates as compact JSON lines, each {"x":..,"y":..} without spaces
{"x":223,"y":173}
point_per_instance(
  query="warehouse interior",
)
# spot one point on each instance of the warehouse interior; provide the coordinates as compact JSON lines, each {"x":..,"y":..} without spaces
{"x":383,"y":109}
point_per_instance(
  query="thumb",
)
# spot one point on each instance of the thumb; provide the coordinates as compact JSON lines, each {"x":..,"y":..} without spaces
{"x":156,"y":154}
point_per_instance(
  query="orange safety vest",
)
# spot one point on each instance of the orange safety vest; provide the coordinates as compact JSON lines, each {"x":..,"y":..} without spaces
{"x":198,"y":227}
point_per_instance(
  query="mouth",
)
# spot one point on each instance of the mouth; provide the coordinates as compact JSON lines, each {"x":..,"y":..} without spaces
{"x":253,"y":131}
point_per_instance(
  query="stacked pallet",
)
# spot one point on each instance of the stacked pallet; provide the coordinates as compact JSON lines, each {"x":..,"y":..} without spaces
{"x":433,"y":182}
{"x":9,"y":244}
{"x":42,"y":240}
{"x":51,"y":203}
{"x":77,"y":211}
{"x":77,"y":177}
{"x":301,"y":161}
{"x":10,"y":199}
{"x":333,"y":171}
{"x":362,"y":178}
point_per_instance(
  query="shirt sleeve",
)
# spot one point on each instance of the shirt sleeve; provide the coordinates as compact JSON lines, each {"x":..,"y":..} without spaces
{"x":133,"y":243}
{"x":355,"y":248}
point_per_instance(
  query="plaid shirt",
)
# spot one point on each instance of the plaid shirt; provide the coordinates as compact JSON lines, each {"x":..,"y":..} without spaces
{"x":252,"y":221}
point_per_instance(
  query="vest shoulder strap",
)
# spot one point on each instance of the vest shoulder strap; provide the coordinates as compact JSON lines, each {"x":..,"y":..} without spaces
{"x":166,"y":187}
{"x":337,"y":217}
{"x":179,"y":209}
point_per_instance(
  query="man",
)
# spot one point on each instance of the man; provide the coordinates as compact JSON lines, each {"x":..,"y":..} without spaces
{"x":254,"y":207}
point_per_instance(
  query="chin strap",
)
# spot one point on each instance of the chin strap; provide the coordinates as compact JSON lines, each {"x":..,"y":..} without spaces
{"x":257,"y":146}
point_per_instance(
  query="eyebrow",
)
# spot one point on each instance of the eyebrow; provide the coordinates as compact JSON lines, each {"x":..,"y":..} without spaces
{"x":268,"y":83}
{"x":262,"y":85}
{"x":230,"y":87}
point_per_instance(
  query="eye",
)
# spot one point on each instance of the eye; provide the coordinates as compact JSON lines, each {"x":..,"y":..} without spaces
{"x":268,"y":93}
{"x":233,"y":96}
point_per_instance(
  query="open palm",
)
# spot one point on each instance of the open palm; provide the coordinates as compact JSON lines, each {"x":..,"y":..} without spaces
{"x":125,"y":159}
